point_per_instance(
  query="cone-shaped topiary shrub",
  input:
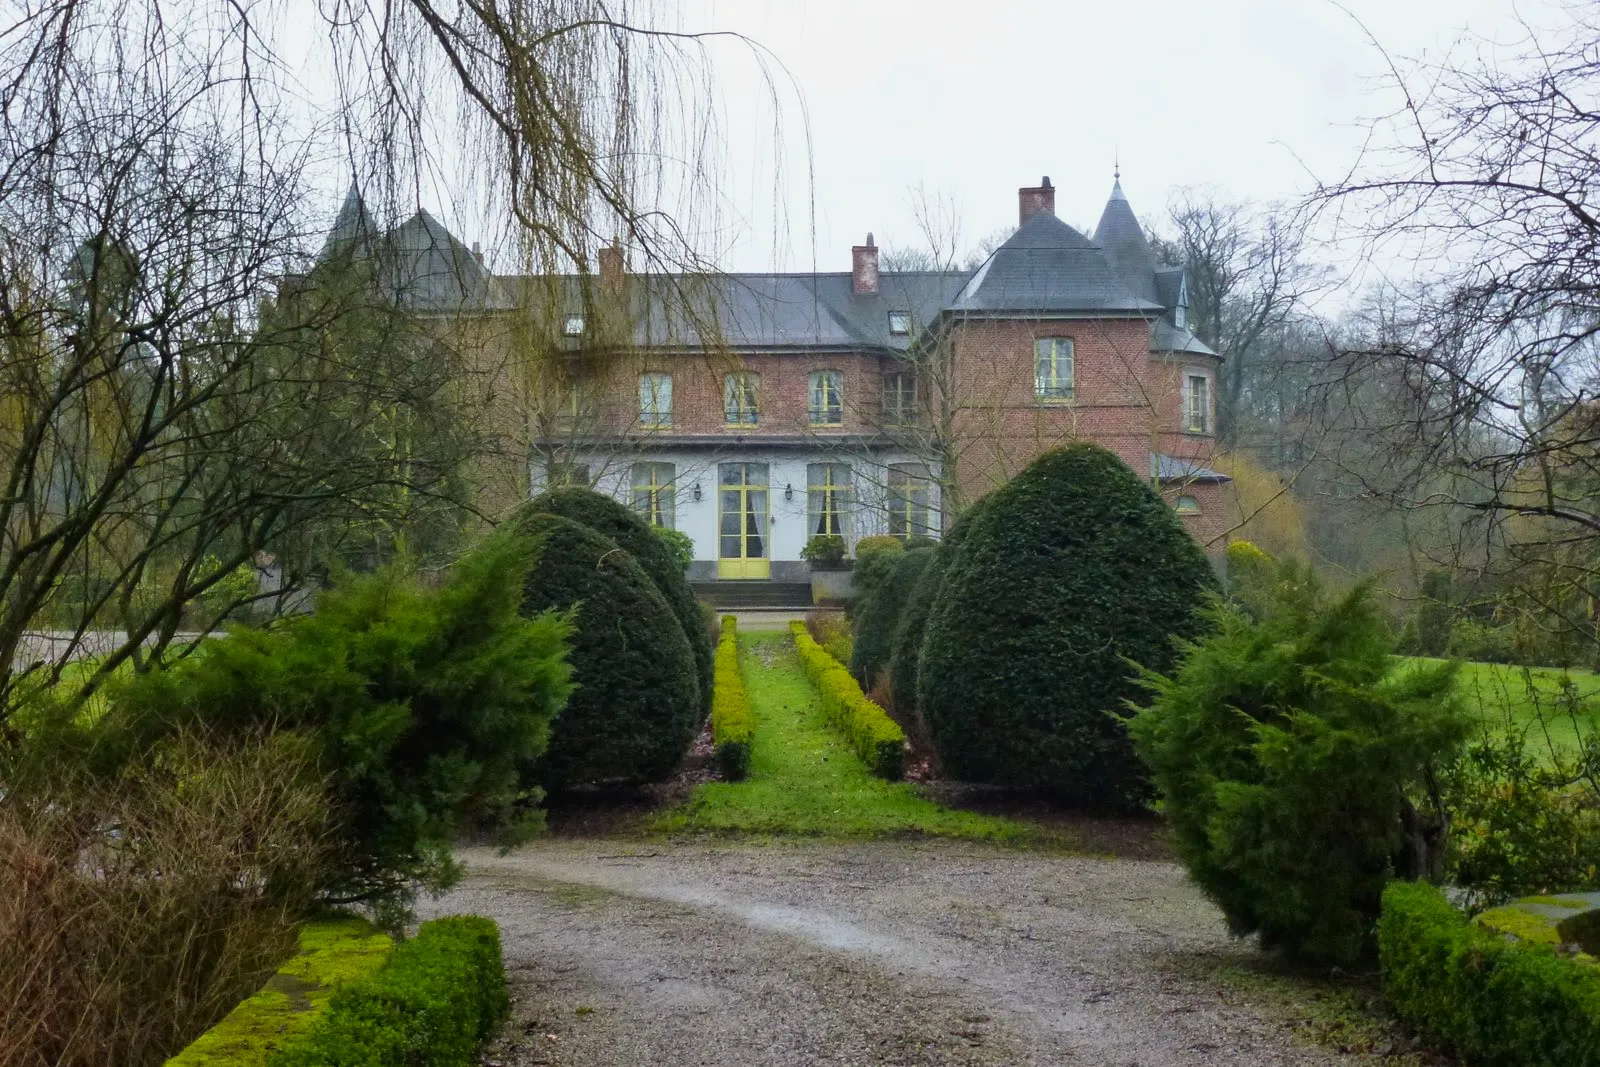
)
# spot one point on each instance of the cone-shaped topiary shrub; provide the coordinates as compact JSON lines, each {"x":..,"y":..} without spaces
{"x":878,"y":614}
{"x":1071,"y":569}
{"x":637,"y":703}
{"x":652,"y":552}
{"x":905,"y":653}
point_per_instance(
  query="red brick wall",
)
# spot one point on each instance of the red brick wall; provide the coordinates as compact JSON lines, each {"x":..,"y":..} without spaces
{"x":784,"y":392}
{"x":1124,"y":399}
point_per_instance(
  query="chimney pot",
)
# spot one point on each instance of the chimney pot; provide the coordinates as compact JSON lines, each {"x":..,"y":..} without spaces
{"x":1032,"y":200}
{"x":864,"y":268}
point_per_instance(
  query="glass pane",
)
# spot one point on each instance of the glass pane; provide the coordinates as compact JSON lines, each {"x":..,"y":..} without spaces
{"x":730,"y":473}
{"x":728,"y":546}
{"x":731,"y":513}
{"x":756,"y":474}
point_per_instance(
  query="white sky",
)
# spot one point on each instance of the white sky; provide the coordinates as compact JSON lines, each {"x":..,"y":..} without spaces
{"x":969,"y":100}
{"x":1256,"y":97}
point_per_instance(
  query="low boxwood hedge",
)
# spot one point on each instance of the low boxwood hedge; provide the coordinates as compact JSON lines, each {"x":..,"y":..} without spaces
{"x":1491,"y":998}
{"x":332,"y":954}
{"x":877,"y":739}
{"x":440,"y":996}
{"x":732,"y":727}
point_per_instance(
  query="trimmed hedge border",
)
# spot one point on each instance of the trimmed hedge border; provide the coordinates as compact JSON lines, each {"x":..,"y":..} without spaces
{"x":1491,"y":998}
{"x":331,"y":954}
{"x":877,"y":739}
{"x":441,"y":995}
{"x":732,"y":728}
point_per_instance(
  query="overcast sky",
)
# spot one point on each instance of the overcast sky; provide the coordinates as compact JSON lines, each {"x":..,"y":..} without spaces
{"x":971,"y":100}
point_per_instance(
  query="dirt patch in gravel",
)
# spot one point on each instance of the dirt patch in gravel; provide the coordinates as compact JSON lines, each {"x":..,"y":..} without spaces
{"x":904,"y":952}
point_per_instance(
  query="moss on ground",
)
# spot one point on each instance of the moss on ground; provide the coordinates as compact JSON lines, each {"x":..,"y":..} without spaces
{"x":804,"y":779}
{"x":331,"y":954}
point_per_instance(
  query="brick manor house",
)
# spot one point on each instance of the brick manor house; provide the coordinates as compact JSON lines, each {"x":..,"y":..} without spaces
{"x":752,"y":411}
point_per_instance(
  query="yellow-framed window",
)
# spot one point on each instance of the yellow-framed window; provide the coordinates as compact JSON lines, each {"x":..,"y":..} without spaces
{"x":899,"y":399}
{"x":826,"y":407}
{"x":654,"y":492}
{"x":655,"y":399}
{"x":910,"y":501}
{"x":1053,"y":368}
{"x":741,"y":399}
{"x":828,"y":492}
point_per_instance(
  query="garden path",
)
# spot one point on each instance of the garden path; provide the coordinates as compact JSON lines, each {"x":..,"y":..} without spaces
{"x":797,"y":952}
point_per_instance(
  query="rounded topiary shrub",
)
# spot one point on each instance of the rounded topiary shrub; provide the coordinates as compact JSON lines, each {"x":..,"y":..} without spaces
{"x":878,"y":614}
{"x":655,"y":553}
{"x":1070,"y":570}
{"x":905,"y":652}
{"x":637,"y":703}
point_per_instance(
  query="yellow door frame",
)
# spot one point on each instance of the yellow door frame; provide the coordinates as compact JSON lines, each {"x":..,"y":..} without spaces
{"x":753,"y":534}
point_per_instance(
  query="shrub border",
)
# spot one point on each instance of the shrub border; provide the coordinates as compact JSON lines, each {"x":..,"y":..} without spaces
{"x":877,"y":739}
{"x":1491,"y":998}
{"x":294,"y":999}
{"x":732,"y":726}
{"x":440,"y":996}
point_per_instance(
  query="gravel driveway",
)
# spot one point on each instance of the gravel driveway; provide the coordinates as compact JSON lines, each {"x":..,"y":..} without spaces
{"x":861,"y":953}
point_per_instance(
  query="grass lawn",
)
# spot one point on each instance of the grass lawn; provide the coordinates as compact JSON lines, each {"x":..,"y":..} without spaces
{"x":1503,"y":695}
{"x":804,"y":779}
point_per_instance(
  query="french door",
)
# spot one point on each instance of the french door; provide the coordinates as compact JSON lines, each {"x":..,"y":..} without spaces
{"x":742,"y":550}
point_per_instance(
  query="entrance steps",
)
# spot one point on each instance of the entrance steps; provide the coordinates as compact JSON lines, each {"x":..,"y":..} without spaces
{"x":750,"y":594}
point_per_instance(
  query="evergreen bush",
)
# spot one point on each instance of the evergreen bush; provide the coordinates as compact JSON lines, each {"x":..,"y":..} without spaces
{"x":651,"y":549}
{"x":878,"y":614}
{"x":637,"y":703}
{"x":875,"y":559}
{"x":1285,"y":747}
{"x":421,"y":705}
{"x":905,"y":652}
{"x":1071,"y":569}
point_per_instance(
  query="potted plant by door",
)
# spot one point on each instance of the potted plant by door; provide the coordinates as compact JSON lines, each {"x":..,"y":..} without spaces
{"x":830,"y":571}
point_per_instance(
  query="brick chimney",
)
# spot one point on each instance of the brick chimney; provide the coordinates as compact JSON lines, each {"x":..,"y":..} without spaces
{"x":1030,"y":202}
{"x":864,"y":267}
{"x":612,"y":265}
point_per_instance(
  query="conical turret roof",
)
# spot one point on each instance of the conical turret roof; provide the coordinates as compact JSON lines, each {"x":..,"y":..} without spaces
{"x":1047,"y":266}
{"x":1126,"y":246}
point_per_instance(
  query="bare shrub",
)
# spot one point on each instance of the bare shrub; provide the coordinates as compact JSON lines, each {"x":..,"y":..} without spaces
{"x":831,"y":630}
{"x":135,"y":913}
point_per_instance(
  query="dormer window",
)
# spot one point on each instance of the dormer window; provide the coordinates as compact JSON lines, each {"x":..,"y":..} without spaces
{"x":573,"y":326}
{"x":899,"y":323}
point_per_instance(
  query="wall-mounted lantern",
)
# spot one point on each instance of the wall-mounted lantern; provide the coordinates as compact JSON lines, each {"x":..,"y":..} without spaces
{"x":694,"y":490}
{"x":788,"y":492}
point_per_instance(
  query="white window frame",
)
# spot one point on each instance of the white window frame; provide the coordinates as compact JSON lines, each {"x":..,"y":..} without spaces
{"x":573,"y":327}
{"x":899,"y":323}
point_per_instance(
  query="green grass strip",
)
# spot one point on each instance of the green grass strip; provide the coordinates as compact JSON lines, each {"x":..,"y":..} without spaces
{"x":804,"y":779}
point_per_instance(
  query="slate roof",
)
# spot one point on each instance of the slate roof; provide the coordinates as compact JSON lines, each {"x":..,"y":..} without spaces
{"x":1127,"y":248}
{"x":1045,"y":268}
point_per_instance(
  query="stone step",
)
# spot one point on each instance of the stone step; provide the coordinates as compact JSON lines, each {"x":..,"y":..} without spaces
{"x":754,"y":594}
